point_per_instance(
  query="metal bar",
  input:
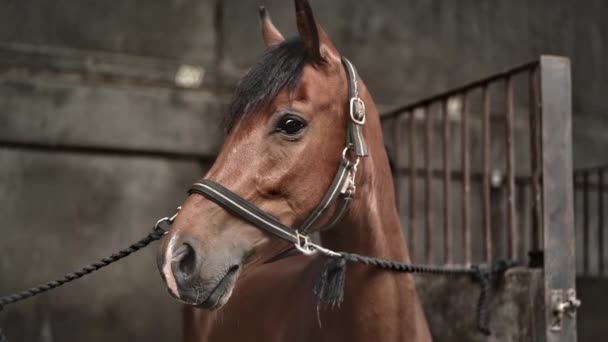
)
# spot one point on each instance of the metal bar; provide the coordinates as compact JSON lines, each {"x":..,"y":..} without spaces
{"x":427,"y":185}
{"x":585,"y":223}
{"x":595,"y":168}
{"x":524,"y":221}
{"x":592,"y":185}
{"x":557,"y":194}
{"x":487,"y":225}
{"x":458,"y":90}
{"x":447,"y":219}
{"x":513,"y":236}
{"x":600,"y":222}
{"x":535,"y":159}
{"x":412,"y":184}
{"x":455,"y":175}
{"x":396,"y":159}
{"x":104,"y":150}
{"x":466,"y":184}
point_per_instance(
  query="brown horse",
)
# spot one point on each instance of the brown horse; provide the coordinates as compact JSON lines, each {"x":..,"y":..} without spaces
{"x":286,"y":132}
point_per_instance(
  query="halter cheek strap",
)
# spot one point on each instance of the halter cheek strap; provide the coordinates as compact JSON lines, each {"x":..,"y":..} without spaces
{"x":342,"y":188}
{"x":356,"y":108}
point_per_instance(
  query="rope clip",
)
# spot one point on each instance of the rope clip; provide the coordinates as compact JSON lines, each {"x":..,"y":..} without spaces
{"x":169,"y":220}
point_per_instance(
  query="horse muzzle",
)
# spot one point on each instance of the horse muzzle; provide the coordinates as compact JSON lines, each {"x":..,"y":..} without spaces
{"x":196,"y":280}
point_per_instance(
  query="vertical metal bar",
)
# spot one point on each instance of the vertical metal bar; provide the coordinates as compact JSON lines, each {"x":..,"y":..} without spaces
{"x":557,"y":195}
{"x":585,"y":222}
{"x":396,"y":160}
{"x":600,"y":220}
{"x":466,"y":182}
{"x":412,"y":183}
{"x":447,"y":210}
{"x":427,"y":185}
{"x":524,"y":221}
{"x":535,"y":169}
{"x":487,"y":226}
{"x":513,"y":236}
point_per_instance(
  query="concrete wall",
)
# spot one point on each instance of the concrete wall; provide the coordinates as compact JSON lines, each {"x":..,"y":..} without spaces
{"x":62,"y":210}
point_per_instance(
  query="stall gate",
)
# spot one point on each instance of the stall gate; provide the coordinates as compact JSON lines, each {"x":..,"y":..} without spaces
{"x":484,"y":172}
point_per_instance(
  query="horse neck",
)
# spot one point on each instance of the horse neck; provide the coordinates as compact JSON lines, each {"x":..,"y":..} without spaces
{"x":372,"y":225}
{"x":372,"y":228}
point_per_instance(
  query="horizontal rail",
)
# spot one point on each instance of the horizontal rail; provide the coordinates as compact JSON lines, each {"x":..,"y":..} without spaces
{"x":457,"y":175}
{"x":105,"y":151}
{"x":592,"y":169}
{"x":458,"y":90}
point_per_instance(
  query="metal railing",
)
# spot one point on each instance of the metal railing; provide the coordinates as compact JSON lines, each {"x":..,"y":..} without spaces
{"x":507,"y":141}
{"x":455,"y":111}
{"x":590,"y":191}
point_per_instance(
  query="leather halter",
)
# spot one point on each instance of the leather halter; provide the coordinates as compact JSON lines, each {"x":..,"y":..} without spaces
{"x":342,"y":188}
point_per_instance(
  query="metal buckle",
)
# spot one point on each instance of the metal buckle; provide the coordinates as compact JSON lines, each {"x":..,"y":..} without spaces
{"x":169,"y":219}
{"x":360,"y":109}
{"x":303,"y":244}
{"x":349,"y":187}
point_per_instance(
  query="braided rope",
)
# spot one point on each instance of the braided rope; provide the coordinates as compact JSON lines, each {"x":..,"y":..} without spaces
{"x":479,"y":274}
{"x":159,"y":230}
{"x":402,"y":267}
{"x":69,"y":277}
{"x":161,"y":227}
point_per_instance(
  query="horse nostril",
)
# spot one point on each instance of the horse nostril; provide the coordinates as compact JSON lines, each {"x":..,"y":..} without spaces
{"x":184,"y":262}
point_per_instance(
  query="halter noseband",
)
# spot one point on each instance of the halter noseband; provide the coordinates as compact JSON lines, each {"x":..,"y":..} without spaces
{"x":342,"y":187}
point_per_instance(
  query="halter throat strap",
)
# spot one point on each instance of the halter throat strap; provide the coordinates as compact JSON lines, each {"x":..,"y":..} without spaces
{"x":342,"y":188}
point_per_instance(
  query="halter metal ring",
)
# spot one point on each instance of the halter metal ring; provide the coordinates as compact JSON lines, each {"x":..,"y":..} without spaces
{"x":168,"y":219}
{"x":344,"y":157}
{"x":357,"y":110}
{"x":303,"y":244}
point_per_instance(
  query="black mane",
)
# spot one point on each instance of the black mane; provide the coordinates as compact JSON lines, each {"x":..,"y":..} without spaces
{"x":280,"y":67}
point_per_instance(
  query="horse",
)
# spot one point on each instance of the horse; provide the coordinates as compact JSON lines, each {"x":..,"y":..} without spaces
{"x":286,"y":129}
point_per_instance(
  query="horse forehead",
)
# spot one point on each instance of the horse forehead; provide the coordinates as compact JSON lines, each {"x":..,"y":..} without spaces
{"x":316,"y":83}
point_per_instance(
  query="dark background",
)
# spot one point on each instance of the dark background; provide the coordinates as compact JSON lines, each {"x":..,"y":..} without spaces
{"x":100,"y":73}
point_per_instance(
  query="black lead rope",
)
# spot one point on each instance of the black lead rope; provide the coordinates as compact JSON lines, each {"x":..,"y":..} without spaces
{"x":160,"y":229}
{"x":330,"y":286}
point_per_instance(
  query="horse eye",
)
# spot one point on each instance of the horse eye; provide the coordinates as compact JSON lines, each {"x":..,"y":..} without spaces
{"x":290,"y":125}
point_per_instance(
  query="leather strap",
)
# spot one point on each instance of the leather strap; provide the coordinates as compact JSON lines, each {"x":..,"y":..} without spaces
{"x":240,"y":207}
{"x":356,"y":109}
{"x":339,"y":187}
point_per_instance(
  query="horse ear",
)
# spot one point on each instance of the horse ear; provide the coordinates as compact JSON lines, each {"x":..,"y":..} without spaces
{"x":317,"y":42}
{"x":270,"y":33}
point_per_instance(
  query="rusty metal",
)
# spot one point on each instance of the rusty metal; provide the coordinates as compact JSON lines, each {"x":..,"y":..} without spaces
{"x":535,"y":170}
{"x":524,"y":221}
{"x":447,"y":219}
{"x":513,"y":236}
{"x":586,"y":223}
{"x":486,"y":207}
{"x":427,"y":186}
{"x":458,"y":90}
{"x":458,"y":176}
{"x":412,"y":184}
{"x":600,"y":221}
{"x":539,"y":206}
{"x":466,"y":183}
